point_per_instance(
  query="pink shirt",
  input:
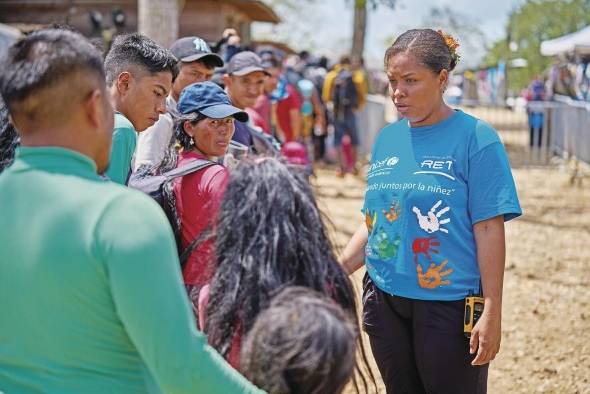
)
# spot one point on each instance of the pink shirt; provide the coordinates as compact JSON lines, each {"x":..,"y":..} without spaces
{"x":284,"y":108}
{"x":198,"y":197}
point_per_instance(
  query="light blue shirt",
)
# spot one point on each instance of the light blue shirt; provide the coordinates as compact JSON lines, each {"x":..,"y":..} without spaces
{"x":427,"y":187}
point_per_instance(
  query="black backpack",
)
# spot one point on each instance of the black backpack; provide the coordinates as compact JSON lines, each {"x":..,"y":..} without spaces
{"x":159,"y":187}
{"x":344,"y":93}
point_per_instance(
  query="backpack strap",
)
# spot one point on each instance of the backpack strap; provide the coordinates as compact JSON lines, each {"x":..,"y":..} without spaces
{"x":191,"y":247}
{"x":193,"y":166}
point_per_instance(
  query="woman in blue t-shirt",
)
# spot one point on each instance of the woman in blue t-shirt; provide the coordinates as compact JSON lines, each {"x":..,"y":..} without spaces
{"x":439,"y":191}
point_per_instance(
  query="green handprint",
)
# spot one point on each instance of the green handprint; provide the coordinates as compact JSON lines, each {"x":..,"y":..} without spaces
{"x":386,"y":249}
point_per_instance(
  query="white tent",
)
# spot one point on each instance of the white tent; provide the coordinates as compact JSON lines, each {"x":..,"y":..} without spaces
{"x":574,"y":43}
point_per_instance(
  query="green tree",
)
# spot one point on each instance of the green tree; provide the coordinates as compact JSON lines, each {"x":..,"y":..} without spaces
{"x":530,"y":24}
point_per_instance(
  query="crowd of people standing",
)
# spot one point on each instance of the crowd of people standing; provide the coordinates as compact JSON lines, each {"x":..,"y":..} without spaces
{"x":161,"y":234}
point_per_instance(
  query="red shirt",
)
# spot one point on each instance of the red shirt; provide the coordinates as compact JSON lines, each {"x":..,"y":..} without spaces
{"x":236,"y":343}
{"x":257,"y":120}
{"x":284,"y":108}
{"x":198,"y":197}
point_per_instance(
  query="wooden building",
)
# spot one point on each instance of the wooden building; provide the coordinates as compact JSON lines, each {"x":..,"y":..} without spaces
{"x":204,"y":18}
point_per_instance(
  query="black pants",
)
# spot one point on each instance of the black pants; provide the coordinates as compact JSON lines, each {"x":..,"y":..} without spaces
{"x":419,"y":345}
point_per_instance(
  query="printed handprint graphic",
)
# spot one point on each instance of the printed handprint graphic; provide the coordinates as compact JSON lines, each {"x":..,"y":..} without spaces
{"x":425,"y":246}
{"x":434,"y":275}
{"x":385,"y":247}
{"x":370,"y":220}
{"x":394,"y":211}
{"x":431,"y":222}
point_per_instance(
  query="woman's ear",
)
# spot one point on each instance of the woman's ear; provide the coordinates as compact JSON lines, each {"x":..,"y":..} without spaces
{"x":188,"y":127}
{"x":443,"y":79}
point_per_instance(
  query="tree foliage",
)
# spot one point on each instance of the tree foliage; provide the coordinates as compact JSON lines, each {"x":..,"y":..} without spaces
{"x":530,"y":24}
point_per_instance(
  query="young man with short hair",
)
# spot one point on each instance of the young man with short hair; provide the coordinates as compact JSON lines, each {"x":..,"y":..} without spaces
{"x":196,"y":63}
{"x":139,"y":75}
{"x":92,"y":298}
{"x":244,"y":82}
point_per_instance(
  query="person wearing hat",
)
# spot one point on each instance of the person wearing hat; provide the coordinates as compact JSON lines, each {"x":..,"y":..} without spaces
{"x":91,"y":294}
{"x":244,"y":82}
{"x":204,"y":129}
{"x":196,"y":63}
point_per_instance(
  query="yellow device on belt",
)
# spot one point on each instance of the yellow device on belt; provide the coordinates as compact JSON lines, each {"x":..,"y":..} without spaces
{"x":473,"y":310}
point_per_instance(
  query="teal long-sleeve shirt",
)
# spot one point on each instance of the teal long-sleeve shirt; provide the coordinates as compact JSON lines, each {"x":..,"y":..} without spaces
{"x":91,"y":297}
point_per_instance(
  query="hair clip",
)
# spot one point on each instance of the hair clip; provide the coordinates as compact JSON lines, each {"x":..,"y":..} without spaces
{"x":451,"y":43}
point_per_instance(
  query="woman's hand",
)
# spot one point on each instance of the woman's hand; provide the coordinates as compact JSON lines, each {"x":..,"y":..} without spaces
{"x":491,"y":251}
{"x":353,"y":256}
{"x":486,"y":336}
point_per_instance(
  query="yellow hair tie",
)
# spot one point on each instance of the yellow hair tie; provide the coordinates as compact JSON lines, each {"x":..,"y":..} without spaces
{"x":452,"y":44}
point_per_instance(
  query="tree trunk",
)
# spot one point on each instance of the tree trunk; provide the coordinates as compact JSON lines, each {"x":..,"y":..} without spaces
{"x":158,"y":19}
{"x":359,"y":30}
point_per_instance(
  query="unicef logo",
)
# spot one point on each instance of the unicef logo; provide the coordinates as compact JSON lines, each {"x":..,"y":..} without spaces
{"x":392,"y":161}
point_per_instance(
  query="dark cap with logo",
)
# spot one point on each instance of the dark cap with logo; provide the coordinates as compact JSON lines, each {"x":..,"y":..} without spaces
{"x":243,"y":63}
{"x":190,"y":49}
{"x":210,"y":100}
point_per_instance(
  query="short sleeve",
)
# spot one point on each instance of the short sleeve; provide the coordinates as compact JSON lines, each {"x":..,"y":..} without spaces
{"x":492,"y":191}
{"x":124,"y":141}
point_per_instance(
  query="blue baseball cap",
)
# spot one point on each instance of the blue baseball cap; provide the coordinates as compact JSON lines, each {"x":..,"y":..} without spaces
{"x":210,"y":100}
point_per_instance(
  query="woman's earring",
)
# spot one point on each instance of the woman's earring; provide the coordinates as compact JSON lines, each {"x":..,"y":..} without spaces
{"x":192,"y":142}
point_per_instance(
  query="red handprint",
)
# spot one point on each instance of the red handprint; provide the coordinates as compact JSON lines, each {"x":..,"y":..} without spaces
{"x":425,"y":246}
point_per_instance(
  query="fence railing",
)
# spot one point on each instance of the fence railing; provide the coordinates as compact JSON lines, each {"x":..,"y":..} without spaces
{"x":370,"y":120}
{"x":560,"y":127}
{"x":547,"y":128}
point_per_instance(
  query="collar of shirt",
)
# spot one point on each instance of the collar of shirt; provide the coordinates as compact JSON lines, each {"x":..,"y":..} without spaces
{"x":55,"y":159}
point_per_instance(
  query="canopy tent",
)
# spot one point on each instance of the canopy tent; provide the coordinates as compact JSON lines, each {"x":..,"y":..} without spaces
{"x":574,"y":43}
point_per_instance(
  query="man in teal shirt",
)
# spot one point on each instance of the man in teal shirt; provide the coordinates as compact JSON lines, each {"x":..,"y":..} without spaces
{"x":139,"y":75}
{"x":91,"y":298}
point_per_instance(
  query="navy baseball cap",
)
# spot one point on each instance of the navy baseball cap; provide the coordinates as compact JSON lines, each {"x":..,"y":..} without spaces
{"x":190,"y":49}
{"x":210,"y":100}
{"x":243,"y":63}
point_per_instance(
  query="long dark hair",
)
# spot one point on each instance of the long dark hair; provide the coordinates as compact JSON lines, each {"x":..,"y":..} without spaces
{"x":270,"y":234}
{"x":303,"y":343}
{"x":9,"y":139}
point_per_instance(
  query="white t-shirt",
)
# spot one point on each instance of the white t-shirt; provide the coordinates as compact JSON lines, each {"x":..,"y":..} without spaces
{"x":153,"y":141}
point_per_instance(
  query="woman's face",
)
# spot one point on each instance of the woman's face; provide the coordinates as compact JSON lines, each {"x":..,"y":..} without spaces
{"x":211,"y":136}
{"x":415,"y":90}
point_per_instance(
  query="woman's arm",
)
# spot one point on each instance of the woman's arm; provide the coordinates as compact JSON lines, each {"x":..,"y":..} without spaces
{"x":491,"y":253}
{"x":353,"y":256}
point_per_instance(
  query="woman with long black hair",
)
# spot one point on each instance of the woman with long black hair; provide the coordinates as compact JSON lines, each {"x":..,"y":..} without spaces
{"x":270,"y":234}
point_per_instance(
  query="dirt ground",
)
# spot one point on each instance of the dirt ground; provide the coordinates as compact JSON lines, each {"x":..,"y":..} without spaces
{"x":546,"y":309}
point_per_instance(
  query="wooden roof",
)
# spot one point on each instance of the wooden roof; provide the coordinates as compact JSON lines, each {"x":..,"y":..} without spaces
{"x":256,"y":10}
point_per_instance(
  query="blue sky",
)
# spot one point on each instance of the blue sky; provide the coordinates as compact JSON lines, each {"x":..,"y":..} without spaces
{"x":326,"y":26}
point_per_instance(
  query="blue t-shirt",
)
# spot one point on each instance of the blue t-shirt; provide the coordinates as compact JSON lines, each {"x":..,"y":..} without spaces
{"x":242,"y":134}
{"x":427,"y":187}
